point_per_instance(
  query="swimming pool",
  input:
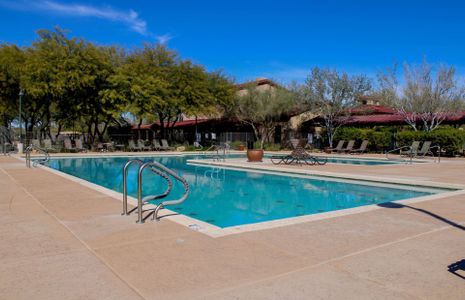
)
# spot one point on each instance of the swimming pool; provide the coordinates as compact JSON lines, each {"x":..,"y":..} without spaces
{"x":224,"y":197}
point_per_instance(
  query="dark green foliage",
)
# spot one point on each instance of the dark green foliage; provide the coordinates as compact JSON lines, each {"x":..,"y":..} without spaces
{"x":267,"y":146}
{"x":72,"y":84}
{"x":451,"y":140}
{"x":236,"y":145}
{"x":379,"y":139}
{"x":11,"y":59}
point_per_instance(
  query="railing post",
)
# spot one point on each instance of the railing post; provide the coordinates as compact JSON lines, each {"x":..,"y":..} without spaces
{"x":439,"y":154}
{"x":140,"y":219}
{"x":125,"y":187}
{"x":161,"y":171}
{"x":125,"y":191}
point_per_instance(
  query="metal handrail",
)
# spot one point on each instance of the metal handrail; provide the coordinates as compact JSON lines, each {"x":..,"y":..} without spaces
{"x":125,"y":186}
{"x":439,"y":152}
{"x":125,"y":189}
{"x":36,"y":161}
{"x":211,"y":148}
{"x":415,"y":153}
{"x":221,"y":151}
{"x":397,"y":149}
{"x":141,"y":201}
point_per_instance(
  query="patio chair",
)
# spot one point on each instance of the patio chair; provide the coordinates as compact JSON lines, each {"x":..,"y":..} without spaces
{"x":79,"y":146}
{"x":142,"y":146}
{"x":165,"y":145}
{"x":299,"y":156}
{"x":425,"y":149}
{"x":348,"y":148}
{"x":339,"y":146}
{"x":68,"y":146}
{"x":100,"y":147}
{"x":132,"y":146}
{"x":198,"y":146}
{"x":409,"y":151}
{"x":362,"y":149}
{"x":156,"y":145}
{"x":48,"y":146}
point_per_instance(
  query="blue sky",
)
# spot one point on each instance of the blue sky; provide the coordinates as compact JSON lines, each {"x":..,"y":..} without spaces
{"x":248,"y":39}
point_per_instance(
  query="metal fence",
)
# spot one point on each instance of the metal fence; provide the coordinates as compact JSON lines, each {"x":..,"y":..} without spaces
{"x":236,"y":137}
{"x":7,"y":139}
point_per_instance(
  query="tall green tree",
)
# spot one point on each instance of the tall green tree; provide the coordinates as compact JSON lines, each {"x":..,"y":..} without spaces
{"x":141,"y":82}
{"x":11,"y":61}
{"x":157,"y":83}
{"x":263,"y":109}
{"x":67,"y":82}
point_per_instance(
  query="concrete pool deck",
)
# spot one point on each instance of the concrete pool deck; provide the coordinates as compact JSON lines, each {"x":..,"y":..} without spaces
{"x":62,"y":240}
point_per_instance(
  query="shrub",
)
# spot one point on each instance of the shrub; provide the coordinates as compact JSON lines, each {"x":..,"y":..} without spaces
{"x":272,"y":147}
{"x":379,"y":139}
{"x":235,"y":145}
{"x":451,"y":140}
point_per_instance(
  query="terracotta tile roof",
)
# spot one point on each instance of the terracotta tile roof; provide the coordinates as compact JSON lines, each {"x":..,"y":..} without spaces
{"x":156,"y":125}
{"x":372,"y":109}
{"x":257,"y":82}
{"x":395,"y":119}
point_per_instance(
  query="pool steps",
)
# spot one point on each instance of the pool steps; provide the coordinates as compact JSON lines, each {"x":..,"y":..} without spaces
{"x":161,"y":171}
{"x":41,"y":160}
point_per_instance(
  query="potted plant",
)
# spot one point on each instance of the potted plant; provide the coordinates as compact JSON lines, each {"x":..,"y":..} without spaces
{"x":261,"y":109}
{"x":254,"y":155}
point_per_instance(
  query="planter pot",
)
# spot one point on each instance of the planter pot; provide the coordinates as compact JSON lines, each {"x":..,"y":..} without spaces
{"x":241,"y":148}
{"x":254,"y":155}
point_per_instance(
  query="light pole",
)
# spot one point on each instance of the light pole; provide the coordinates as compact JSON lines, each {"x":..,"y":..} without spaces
{"x":21,"y":94}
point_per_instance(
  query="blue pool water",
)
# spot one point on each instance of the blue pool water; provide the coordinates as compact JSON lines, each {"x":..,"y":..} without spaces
{"x":226,"y":198}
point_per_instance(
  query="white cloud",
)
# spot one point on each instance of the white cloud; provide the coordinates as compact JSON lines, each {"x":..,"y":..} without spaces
{"x":130,"y":17}
{"x":165,"y":38}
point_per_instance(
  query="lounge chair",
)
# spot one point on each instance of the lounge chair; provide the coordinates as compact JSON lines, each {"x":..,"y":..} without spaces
{"x":132,"y":146}
{"x":410,"y":151}
{"x":142,"y":146}
{"x":425,"y":149}
{"x":101,"y":147}
{"x":68,"y":146}
{"x":299,"y":156}
{"x":48,"y":146}
{"x":198,"y":146}
{"x":156,"y":145}
{"x":362,"y":149}
{"x":339,"y":146}
{"x":79,"y":146}
{"x":165,"y":145}
{"x":349,"y":147}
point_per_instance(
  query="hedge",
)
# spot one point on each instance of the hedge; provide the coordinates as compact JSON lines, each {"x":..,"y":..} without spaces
{"x":380,"y":139}
{"x":450,"y":139}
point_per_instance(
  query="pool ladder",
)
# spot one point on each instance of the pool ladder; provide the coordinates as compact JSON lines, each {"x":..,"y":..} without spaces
{"x":157,"y":169}
{"x":41,"y":160}
{"x":219,"y":151}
